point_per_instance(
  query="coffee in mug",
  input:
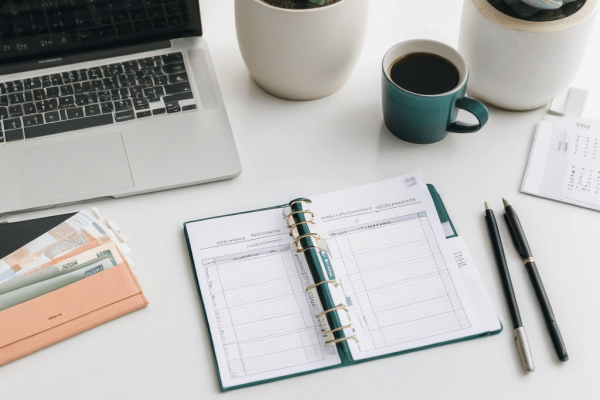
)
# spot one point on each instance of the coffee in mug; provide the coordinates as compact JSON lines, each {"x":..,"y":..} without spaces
{"x":424,"y":73}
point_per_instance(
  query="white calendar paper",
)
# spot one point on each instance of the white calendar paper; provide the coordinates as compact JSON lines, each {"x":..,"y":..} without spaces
{"x":564,"y":164}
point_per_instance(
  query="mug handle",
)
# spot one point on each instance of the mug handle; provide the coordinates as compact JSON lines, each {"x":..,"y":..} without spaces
{"x":474,"y":107}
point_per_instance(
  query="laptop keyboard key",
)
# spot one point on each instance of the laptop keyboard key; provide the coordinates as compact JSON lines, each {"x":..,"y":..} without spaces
{"x":66,"y":102}
{"x":172,"y":58}
{"x":52,"y":117}
{"x":131,"y":66}
{"x":173,"y":108}
{"x":93,"y":109}
{"x":32,"y":120}
{"x":39,"y":94}
{"x":52,"y":92}
{"x":123,"y":105}
{"x":10,"y":124}
{"x":176,"y":78}
{"x":161,"y":80}
{"x":73,"y":113}
{"x":16,"y":98}
{"x":124,"y":116}
{"x":107,"y":108}
{"x":159,"y":111}
{"x":66,"y":90}
{"x":178,"y":88}
{"x":14,"y":135}
{"x":4,"y":113}
{"x":15,"y":111}
{"x":56,"y":80}
{"x":29,"y":108}
{"x":144,"y":114}
{"x":68,"y":125}
{"x":141,"y":104}
{"x":3,"y":101}
{"x":178,"y":97}
{"x":174,"y":68}
{"x":95,"y":73}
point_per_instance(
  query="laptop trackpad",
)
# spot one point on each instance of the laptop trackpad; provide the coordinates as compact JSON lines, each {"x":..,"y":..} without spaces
{"x":89,"y":167}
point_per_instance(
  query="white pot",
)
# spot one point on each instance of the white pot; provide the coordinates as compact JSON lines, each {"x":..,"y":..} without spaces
{"x":301,"y":54}
{"x":522,"y":65}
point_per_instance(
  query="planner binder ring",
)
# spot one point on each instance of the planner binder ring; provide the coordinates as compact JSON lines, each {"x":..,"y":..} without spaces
{"x":308,"y":235}
{"x":337,"y":329}
{"x":333,"y":282}
{"x":300,"y":201}
{"x":302,"y":250}
{"x":332,"y":342}
{"x":342,"y":307}
{"x":292,"y":227}
{"x":287,"y":217}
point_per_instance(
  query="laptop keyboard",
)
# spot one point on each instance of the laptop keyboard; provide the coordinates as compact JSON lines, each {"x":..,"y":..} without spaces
{"x":87,"y":98}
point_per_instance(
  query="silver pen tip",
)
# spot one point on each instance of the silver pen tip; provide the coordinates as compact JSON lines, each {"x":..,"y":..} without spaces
{"x":505,"y":203}
{"x":486,"y":206}
{"x":523,"y":348}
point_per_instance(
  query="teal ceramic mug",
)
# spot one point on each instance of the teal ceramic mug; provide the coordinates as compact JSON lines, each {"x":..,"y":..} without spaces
{"x":426,"y":119}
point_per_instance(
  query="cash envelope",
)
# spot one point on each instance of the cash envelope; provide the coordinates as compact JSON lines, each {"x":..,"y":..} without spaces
{"x":48,"y":319}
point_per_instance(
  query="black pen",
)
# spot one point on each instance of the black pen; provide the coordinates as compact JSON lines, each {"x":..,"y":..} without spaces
{"x":520,"y":241}
{"x":509,"y":293}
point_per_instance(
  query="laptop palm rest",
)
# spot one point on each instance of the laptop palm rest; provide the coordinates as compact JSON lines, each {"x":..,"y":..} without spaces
{"x":77,"y":169}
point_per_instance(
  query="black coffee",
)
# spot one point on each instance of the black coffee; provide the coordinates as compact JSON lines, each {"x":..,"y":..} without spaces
{"x":424,"y":73}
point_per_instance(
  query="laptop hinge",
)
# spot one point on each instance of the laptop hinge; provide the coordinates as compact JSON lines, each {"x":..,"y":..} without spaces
{"x":82,"y":57}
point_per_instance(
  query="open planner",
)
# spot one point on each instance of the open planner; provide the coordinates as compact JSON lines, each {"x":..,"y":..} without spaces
{"x":333,"y":280}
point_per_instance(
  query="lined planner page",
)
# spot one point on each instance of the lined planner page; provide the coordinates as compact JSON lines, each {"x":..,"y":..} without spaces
{"x":398,"y":278}
{"x":252,"y":283}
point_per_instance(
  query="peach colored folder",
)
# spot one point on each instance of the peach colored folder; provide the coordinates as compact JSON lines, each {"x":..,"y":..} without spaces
{"x":56,"y":316}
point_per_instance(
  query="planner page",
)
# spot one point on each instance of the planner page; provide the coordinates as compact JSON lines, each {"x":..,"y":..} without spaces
{"x":253,"y":286}
{"x":398,"y":277}
{"x":565,"y":162}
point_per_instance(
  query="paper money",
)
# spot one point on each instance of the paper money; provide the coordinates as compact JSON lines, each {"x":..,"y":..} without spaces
{"x":49,"y":273}
{"x":31,"y":292}
{"x":85,"y":228}
{"x":81,"y":256}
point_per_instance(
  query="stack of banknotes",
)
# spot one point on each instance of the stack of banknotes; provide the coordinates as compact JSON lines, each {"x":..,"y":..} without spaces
{"x":80,"y":247}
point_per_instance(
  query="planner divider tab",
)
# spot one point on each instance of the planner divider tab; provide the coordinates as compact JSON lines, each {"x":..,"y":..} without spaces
{"x":311,"y":245}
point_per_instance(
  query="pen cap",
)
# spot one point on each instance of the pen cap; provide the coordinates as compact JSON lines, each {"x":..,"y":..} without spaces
{"x":516,"y":232}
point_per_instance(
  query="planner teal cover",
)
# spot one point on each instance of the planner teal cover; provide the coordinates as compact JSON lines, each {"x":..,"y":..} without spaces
{"x":324,"y":294}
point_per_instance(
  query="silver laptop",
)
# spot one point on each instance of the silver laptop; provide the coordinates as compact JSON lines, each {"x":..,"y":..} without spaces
{"x":107,"y":98}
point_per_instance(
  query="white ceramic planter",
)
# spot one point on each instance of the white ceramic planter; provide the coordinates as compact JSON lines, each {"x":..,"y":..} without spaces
{"x":522,"y":65}
{"x":301,"y":54}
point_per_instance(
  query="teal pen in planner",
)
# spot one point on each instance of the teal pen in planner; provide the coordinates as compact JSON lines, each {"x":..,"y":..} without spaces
{"x":520,"y":241}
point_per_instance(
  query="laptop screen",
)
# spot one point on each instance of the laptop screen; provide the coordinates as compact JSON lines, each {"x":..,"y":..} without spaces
{"x":34,"y":29}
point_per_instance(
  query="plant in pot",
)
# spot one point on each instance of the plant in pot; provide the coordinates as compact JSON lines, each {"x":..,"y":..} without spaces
{"x":522,"y":53}
{"x":301,"y":49}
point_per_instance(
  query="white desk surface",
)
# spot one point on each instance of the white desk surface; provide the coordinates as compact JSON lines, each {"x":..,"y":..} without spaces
{"x":163,"y":351}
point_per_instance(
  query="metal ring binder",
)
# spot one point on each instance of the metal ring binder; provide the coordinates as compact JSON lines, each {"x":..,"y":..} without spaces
{"x":287,"y":217}
{"x":342,"y":307}
{"x":332,"y":342}
{"x":292,"y":227}
{"x":302,"y":250}
{"x":337,"y":329}
{"x":333,"y":282}
{"x":308,"y":235}
{"x":307,"y":201}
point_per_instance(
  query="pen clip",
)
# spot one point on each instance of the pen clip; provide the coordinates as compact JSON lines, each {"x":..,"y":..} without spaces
{"x":512,"y":235}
